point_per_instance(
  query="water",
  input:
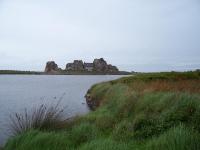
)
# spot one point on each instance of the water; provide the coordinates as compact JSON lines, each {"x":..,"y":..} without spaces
{"x":18,"y":92}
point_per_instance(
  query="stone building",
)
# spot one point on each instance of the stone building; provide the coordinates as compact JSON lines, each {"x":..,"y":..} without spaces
{"x":88,"y":66}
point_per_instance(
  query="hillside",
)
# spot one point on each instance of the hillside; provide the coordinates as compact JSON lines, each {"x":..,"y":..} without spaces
{"x":157,"y":111}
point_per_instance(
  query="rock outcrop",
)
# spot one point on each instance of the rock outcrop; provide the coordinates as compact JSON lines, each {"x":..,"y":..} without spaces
{"x":99,"y":66}
{"x":51,"y":67}
{"x":113,"y":69}
{"x":92,"y":104}
{"x":77,"y":65}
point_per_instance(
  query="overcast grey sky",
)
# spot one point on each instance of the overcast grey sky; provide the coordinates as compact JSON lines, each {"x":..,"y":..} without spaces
{"x":140,"y":35}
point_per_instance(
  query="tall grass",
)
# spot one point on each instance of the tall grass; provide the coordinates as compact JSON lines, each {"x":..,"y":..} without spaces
{"x":177,"y":138}
{"x":37,"y":140}
{"x":44,"y":117}
{"x":108,"y":144}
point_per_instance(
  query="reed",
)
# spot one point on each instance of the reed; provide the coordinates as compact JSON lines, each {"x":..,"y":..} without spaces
{"x":44,"y":117}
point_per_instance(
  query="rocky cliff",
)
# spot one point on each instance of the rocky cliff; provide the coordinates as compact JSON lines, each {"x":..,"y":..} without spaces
{"x":100,"y":65}
{"x":51,"y":67}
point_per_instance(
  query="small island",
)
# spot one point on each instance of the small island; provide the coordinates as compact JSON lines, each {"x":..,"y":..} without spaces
{"x":97,"y":67}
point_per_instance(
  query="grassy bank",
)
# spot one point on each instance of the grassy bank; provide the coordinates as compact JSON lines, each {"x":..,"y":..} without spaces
{"x":159,"y":111}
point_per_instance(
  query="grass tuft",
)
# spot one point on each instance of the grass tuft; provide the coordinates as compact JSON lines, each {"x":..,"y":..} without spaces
{"x":45,"y":117}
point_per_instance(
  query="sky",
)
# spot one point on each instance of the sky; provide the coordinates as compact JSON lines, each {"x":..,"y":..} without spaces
{"x":135,"y":35}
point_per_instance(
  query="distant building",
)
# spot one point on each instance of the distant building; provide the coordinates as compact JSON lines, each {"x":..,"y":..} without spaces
{"x":69,"y":66}
{"x":88,"y":66}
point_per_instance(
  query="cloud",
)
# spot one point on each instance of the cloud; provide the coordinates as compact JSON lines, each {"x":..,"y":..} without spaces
{"x":127,"y":33}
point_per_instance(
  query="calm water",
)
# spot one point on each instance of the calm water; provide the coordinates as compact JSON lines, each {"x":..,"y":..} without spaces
{"x":27,"y":91}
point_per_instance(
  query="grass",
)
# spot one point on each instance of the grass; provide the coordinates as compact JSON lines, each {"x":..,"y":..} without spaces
{"x":143,"y":112}
{"x":178,"y":138}
{"x":45,"y":117}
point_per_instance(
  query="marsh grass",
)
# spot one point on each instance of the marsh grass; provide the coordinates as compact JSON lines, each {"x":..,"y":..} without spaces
{"x":177,"y":138}
{"x":44,"y":117}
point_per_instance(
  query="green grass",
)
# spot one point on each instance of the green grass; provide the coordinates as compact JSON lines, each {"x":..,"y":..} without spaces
{"x":178,"y":138}
{"x":143,"y":112}
{"x":36,"y":140}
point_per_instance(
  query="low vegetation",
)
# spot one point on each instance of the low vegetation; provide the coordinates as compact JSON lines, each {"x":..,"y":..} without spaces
{"x":159,"y":111}
{"x":19,"y":72}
